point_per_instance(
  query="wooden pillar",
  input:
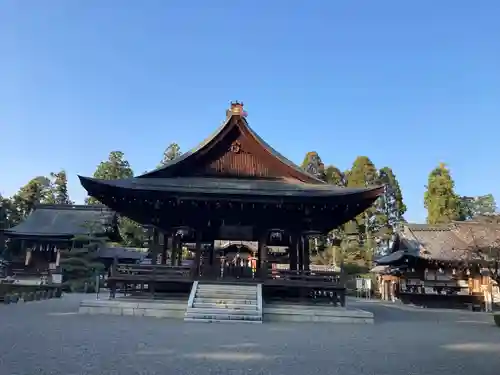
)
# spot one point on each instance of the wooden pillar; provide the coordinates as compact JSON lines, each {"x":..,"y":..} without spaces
{"x":173,"y":250}
{"x":179,"y":251}
{"x":197,"y":266}
{"x":262,"y":254}
{"x":154,"y":247}
{"x":307,"y":254}
{"x":292,"y":251}
{"x":164,"y":249}
{"x":300,"y":249}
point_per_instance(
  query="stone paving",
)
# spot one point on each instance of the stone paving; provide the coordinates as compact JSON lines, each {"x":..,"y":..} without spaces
{"x":47,"y":337}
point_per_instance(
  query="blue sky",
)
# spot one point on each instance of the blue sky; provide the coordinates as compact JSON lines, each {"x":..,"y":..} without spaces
{"x":409,"y":84}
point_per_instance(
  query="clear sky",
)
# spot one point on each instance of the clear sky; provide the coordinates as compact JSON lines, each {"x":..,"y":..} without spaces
{"x":407,"y":83}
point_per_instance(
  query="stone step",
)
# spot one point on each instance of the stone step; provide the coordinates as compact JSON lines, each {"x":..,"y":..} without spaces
{"x":221,"y":316}
{"x":197,"y":320}
{"x":225,"y":294}
{"x":226,"y":287}
{"x":235,"y":301}
{"x":230,"y":306}
{"x":223,"y":311}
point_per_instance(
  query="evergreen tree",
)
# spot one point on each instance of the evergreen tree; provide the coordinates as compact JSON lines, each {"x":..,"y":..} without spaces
{"x":60,"y":188}
{"x":364,"y":174}
{"x":80,"y":264}
{"x":440,"y":200}
{"x":334,"y":176}
{"x":173,"y":151}
{"x":391,"y":208}
{"x":312,"y":164}
{"x":392,"y":201}
{"x":36,"y":191}
{"x":471,"y":207}
{"x":115,"y":168}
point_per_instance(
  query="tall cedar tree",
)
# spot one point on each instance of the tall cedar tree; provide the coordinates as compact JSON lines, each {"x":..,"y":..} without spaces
{"x":173,"y":151}
{"x":60,"y":188}
{"x":392,"y":199}
{"x":440,"y":200}
{"x":117,"y":167}
{"x":390,"y":205}
{"x":312,"y":164}
{"x":363,"y":174}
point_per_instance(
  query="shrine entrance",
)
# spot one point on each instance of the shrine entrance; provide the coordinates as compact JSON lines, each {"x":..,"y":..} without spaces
{"x":229,"y":262}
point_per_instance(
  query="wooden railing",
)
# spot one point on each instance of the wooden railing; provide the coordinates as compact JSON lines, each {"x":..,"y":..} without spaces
{"x":148,"y":273}
{"x":290,"y":277}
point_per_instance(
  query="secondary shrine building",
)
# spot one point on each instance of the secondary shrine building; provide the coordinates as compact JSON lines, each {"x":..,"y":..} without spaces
{"x":233,"y":186}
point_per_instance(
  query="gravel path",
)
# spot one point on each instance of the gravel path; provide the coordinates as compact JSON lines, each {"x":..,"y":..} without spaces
{"x":47,"y":337}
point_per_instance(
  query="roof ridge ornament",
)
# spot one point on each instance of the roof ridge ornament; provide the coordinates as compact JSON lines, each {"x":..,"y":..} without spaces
{"x":236,"y":109}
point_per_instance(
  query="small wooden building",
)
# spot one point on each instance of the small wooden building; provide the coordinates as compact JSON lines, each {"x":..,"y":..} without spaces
{"x":440,"y":265}
{"x":38,"y":240}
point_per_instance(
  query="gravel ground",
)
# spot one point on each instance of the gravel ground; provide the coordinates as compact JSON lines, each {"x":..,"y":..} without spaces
{"x":47,"y":337}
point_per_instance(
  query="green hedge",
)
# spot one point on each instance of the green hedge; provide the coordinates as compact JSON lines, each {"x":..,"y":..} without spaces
{"x":496,"y":318}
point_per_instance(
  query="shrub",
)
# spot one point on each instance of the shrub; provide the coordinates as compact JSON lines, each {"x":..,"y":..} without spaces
{"x":496,"y":318}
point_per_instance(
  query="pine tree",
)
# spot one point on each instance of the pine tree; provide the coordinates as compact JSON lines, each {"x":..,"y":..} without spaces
{"x":440,"y":200}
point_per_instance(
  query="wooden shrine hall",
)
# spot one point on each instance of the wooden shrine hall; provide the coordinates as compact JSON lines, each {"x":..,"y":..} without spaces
{"x":233,"y":186}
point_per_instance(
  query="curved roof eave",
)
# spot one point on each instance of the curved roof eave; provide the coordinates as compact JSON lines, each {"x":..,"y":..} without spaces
{"x":208,"y":186}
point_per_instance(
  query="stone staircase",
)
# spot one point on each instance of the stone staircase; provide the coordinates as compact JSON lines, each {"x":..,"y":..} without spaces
{"x":224,"y":303}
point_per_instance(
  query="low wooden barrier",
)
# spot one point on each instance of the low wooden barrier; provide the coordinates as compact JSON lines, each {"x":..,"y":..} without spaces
{"x":130,"y":276}
{"x":314,"y":285}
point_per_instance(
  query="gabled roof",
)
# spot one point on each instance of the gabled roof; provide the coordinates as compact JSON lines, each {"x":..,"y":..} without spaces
{"x":235,"y":119}
{"x":65,"y":221}
{"x":438,"y":242}
{"x":457,"y":241}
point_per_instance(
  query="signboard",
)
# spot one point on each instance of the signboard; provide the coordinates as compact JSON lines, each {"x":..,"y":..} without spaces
{"x":235,"y":233}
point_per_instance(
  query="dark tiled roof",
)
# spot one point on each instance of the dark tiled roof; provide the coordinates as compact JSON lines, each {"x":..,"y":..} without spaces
{"x":65,"y":221}
{"x":391,"y":258}
{"x":121,"y":253}
{"x":210,"y":185}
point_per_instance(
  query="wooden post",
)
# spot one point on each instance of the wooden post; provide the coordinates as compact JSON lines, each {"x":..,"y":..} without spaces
{"x":164,"y":249}
{"x":197,"y":266}
{"x":307,"y":254}
{"x":173,"y":250}
{"x":179,"y":251}
{"x":262,"y":253}
{"x":292,"y":251}
{"x":300,"y":249}
{"x":154,"y":247}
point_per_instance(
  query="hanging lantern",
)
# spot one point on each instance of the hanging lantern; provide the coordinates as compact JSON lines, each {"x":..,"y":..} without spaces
{"x":454,"y":272}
